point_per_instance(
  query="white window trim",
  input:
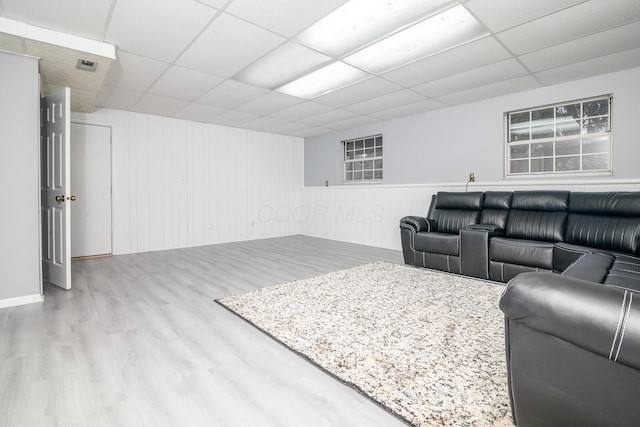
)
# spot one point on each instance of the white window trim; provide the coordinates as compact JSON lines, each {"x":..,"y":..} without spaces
{"x":558,"y":174}
{"x":343,"y":143}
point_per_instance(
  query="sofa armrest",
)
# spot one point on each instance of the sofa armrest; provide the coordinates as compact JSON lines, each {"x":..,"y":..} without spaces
{"x":604,"y":320}
{"x":417,"y":223}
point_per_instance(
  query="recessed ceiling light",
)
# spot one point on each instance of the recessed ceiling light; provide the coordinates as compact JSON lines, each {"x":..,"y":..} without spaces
{"x":360,"y":22}
{"x":281,"y":65}
{"x":86,"y":65}
{"x":324,"y":80}
{"x":448,"y":29}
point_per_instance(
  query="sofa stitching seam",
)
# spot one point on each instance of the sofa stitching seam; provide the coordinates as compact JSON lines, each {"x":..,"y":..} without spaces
{"x":620,"y":316}
{"x":624,"y":327}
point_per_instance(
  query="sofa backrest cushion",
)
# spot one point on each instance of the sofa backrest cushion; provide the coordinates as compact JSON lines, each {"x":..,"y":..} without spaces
{"x":538,"y":215}
{"x":605,"y":220}
{"x":454,"y":211}
{"x":495,"y":210}
{"x":611,"y":203}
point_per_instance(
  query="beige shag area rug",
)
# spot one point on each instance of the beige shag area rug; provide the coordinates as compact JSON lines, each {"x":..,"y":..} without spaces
{"x":427,"y":346}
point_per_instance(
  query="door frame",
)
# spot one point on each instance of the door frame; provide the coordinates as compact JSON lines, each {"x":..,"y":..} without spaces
{"x":111,"y":160}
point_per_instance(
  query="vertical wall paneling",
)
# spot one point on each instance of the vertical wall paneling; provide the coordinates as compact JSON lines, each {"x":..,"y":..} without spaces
{"x":178,"y":183}
{"x":157,"y":144}
{"x":121,"y":218}
{"x":195,"y":183}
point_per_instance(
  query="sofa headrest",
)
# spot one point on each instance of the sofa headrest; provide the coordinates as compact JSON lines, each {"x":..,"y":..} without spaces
{"x":611,"y":203}
{"x":456,"y":200}
{"x":540,"y":200}
{"x":497,"y":199}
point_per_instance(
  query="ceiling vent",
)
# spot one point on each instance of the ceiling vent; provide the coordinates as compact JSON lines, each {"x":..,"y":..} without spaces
{"x":86,"y":65}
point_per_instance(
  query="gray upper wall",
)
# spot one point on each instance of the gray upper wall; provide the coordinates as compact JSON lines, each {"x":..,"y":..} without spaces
{"x":443,"y":146}
{"x":19,"y":170}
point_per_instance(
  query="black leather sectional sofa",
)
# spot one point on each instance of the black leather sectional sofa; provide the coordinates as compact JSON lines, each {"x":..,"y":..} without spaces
{"x":572,"y":304}
{"x":498,"y":235}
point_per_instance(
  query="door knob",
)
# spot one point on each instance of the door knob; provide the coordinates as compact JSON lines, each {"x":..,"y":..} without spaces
{"x":60,"y":198}
{"x":72,"y":198}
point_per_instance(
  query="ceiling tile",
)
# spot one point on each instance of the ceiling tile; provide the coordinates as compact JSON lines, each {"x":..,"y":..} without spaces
{"x":159,"y":105}
{"x":233,"y":118}
{"x":134,"y":72}
{"x":359,"y":92}
{"x":593,"y":67}
{"x":118,"y":98}
{"x":269,"y":103}
{"x":472,"y":55}
{"x":183,"y":83}
{"x":600,"y":44}
{"x":309,"y":132}
{"x":198,"y":112}
{"x":289,"y":128}
{"x":158,"y":29}
{"x":328,"y":117}
{"x":591,"y":17}
{"x":408,"y":109}
{"x":297,"y":112}
{"x":285,"y":17}
{"x":499,"y":15}
{"x":228,"y":45}
{"x":78,"y":17}
{"x":264,"y":123}
{"x":490,"y":91}
{"x":351,"y":123}
{"x":231,"y":94}
{"x":499,"y":71}
{"x":218,"y":4}
{"x":385,"y":102}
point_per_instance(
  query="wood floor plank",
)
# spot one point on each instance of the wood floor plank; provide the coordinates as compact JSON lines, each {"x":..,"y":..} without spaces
{"x":140,"y":341}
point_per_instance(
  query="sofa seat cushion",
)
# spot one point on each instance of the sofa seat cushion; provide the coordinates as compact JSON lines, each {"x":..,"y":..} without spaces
{"x":438,"y":243}
{"x":523,"y":252}
{"x":591,"y":267}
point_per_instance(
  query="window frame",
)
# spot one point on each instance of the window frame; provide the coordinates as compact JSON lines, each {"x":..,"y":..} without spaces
{"x":554,"y":141}
{"x":355,"y":149}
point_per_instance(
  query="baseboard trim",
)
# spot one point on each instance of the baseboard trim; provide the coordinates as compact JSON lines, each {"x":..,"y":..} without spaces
{"x":27,"y":299}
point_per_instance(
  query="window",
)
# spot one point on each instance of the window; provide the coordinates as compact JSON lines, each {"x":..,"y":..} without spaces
{"x":572,"y":137}
{"x":363,"y":159}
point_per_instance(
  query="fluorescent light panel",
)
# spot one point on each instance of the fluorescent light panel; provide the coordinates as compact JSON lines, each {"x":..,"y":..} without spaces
{"x":324,"y":80}
{"x":448,"y":29}
{"x":281,"y":65}
{"x":360,"y":22}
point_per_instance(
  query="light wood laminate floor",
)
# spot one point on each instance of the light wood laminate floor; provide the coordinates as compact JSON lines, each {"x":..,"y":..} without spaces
{"x":138,"y":341}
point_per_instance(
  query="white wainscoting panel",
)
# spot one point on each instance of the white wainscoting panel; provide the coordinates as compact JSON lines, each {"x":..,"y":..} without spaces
{"x":178,"y":183}
{"x":370,"y":214}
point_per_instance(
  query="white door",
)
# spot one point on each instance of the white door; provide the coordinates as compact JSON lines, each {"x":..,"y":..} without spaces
{"x":55,"y":198}
{"x":91,"y":183}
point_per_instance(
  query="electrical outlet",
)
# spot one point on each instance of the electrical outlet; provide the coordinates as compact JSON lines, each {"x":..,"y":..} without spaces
{"x":472,"y":177}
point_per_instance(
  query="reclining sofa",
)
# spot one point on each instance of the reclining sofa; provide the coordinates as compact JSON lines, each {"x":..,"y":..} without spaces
{"x":572,"y":304}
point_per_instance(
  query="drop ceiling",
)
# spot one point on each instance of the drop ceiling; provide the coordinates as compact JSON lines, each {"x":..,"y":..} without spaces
{"x":212,"y":60}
